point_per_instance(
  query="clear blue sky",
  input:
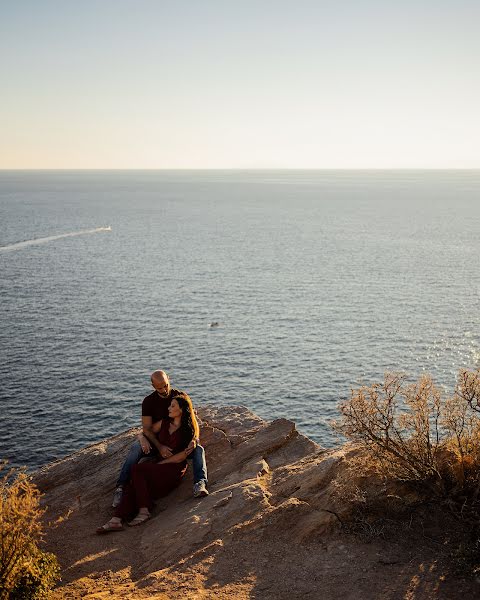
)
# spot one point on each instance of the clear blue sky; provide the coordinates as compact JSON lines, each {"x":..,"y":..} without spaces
{"x":239,"y":84}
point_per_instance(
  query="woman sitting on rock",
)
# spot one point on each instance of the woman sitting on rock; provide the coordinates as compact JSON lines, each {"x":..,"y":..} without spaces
{"x":151,"y":480}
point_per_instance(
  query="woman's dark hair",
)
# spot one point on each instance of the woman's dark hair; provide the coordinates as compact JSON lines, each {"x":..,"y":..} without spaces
{"x":188,"y":426}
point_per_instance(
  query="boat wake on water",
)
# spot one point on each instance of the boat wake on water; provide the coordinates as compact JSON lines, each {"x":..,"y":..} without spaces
{"x":51,"y":238}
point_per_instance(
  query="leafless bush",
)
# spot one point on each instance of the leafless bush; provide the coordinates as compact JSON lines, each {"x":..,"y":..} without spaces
{"x":468,"y":388}
{"x":410,"y":433}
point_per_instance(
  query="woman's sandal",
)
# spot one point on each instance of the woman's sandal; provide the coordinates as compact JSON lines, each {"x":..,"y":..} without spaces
{"x":109,"y":527}
{"x":139,"y":519}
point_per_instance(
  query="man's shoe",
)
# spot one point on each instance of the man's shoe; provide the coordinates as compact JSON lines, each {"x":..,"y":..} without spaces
{"x":117,"y":496}
{"x":200,"y":489}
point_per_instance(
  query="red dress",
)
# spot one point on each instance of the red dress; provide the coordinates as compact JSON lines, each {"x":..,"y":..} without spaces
{"x":152,"y":480}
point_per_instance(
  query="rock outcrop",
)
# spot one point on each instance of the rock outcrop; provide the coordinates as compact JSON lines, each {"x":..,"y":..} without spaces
{"x":268,"y":529}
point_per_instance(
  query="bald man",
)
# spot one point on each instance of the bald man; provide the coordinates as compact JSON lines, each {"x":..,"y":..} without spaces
{"x":154,"y":409}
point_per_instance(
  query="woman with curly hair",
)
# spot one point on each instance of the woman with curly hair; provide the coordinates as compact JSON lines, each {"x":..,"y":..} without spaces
{"x":152,"y":480}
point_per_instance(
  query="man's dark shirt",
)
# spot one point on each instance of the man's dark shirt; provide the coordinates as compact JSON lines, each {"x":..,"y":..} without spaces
{"x":157,"y":407}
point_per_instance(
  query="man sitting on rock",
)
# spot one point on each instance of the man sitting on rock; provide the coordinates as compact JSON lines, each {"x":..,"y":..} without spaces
{"x":154,"y":409}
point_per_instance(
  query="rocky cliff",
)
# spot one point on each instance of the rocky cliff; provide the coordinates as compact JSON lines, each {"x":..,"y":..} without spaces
{"x":268,"y":529}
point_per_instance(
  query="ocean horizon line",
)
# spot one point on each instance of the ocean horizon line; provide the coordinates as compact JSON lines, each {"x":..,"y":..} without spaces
{"x":239,"y":169}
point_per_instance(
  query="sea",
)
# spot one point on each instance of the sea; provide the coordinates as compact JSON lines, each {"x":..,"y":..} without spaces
{"x":278,"y":290}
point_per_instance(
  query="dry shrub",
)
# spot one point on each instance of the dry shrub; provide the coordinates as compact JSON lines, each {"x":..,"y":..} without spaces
{"x":25,"y":571}
{"x":468,"y":388}
{"x":411,"y":433}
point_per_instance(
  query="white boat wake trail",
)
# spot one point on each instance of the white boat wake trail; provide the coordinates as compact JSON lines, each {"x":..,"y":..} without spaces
{"x":51,"y":238}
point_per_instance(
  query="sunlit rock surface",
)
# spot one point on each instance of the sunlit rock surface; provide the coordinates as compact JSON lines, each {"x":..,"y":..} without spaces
{"x":268,"y":529}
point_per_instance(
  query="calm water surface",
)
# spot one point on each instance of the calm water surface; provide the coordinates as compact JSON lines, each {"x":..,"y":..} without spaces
{"x":319,"y":281}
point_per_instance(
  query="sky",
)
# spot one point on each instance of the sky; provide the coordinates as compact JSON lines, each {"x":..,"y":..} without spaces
{"x":240,"y":84}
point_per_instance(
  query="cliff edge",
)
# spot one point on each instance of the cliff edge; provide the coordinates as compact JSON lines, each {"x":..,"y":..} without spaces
{"x":269,"y":528}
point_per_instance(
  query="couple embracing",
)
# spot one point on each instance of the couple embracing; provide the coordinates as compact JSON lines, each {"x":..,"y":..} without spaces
{"x":157,"y":461}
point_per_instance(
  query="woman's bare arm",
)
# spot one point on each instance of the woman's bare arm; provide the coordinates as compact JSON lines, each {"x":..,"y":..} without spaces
{"x":149,"y":433}
{"x":179,"y":456}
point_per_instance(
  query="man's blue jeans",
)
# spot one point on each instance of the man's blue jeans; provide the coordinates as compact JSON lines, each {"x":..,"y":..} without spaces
{"x":136,"y":453}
